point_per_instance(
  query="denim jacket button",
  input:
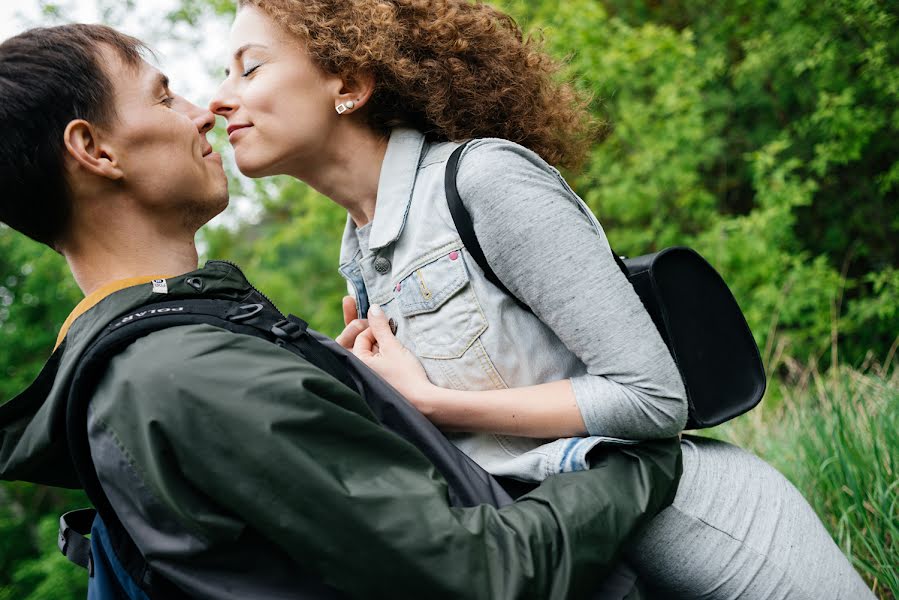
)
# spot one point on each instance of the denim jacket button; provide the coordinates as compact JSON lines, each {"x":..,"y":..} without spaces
{"x":382,"y":265}
{"x":393,"y":326}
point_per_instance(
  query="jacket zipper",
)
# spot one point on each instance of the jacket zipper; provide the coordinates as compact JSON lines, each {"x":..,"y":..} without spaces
{"x":252,"y":287}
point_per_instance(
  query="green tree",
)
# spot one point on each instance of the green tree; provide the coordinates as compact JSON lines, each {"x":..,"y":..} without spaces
{"x":761,"y":132}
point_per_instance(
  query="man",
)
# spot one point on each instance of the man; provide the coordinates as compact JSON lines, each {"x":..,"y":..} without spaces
{"x":234,"y":465}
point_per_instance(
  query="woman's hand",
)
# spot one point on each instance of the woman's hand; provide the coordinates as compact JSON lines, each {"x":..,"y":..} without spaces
{"x":353,"y":327}
{"x":379,"y":349}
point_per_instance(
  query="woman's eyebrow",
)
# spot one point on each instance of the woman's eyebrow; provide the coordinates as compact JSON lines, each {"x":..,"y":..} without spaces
{"x":244,"y":48}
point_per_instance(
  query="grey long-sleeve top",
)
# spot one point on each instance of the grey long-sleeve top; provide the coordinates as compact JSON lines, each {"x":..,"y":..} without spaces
{"x":521,"y":208}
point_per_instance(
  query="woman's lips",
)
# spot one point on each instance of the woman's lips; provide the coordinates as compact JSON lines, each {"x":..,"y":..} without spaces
{"x":234,"y":131}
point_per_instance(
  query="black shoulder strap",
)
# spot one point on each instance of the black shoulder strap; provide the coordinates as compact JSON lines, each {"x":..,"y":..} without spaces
{"x":74,"y":527}
{"x":249,"y":318}
{"x":253,"y":318}
{"x":469,"y":485}
{"x":462,"y":220}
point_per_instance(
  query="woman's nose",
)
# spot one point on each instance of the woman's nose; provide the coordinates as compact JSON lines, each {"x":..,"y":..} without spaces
{"x":222,"y":103}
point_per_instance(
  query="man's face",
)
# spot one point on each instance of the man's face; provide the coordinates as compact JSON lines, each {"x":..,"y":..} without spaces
{"x":169,"y":166}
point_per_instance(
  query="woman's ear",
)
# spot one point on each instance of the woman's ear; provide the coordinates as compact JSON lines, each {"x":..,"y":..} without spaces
{"x":86,"y":148}
{"x":355,"y":92}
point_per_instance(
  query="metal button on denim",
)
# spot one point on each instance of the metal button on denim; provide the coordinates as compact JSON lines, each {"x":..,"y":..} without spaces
{"x":382,"y":265}
{"x":393,"y":326}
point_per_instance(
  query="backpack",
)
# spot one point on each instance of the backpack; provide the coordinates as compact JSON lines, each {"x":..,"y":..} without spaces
{"x":692,"y":308}
{"x":115,"y":565}
{"x":117,"y":569}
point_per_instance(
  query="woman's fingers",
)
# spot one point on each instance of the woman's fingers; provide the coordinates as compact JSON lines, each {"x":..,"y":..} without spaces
{"x":365,"y":346}
{"x":349,"y":310}
{"x":380,"y":327}
{"x":348,"y":336}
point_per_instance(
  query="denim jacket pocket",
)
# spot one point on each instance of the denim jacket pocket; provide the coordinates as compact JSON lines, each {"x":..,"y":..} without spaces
{"x":440,"y":306}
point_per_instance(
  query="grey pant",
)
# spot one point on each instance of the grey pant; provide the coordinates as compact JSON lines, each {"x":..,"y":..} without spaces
{"x":738,"y":529}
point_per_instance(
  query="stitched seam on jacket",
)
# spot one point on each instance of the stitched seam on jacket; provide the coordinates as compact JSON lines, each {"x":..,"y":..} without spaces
{"x":141,"y":476}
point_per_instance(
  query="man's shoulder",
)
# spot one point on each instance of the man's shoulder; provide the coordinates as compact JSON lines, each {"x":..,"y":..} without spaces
{"x":194,"y":351}
{"x":187,"y":371}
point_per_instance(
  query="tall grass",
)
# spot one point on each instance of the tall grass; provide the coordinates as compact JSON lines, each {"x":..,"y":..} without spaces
{"x":835,"y":435}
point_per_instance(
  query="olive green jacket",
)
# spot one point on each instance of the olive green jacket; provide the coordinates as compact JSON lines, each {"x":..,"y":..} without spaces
{"x":235,"y":465}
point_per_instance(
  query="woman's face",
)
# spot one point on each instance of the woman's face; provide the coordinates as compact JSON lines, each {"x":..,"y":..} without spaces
{"x":280,"y":107}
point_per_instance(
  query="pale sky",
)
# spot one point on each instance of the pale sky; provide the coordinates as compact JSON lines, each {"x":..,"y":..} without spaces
{"x":190,"y":67}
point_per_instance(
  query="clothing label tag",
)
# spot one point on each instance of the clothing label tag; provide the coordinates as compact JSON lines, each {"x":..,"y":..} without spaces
{"x":160,"y":286}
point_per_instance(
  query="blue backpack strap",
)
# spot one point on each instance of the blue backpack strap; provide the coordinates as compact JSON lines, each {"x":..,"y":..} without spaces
{"x":109,"y":576}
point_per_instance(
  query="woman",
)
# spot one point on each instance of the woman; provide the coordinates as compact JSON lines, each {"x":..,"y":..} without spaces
{"x":359,"y":99}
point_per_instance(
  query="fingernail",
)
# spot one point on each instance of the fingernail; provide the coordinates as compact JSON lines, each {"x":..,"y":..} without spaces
{"x":376,"y":309}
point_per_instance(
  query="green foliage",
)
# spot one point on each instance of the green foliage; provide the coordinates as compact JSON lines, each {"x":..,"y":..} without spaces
{"x":292,"y":252}
{"x":764,"y":133}
{"x":31,"y":567}
{"x":37,"y":292}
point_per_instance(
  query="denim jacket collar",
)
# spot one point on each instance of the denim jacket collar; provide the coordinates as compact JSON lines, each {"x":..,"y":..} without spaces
{"x":404,"y":152}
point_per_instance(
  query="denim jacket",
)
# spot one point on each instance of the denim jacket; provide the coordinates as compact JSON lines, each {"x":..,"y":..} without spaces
{"x":467,"y":333}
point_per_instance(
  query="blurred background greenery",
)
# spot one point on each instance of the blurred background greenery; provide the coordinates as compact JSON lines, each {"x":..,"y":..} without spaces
{"x":764,"y":133}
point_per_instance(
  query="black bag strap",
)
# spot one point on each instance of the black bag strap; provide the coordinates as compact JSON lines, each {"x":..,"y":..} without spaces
{"x":469,"y":485}
{"x":462,"y":221}
{"x":74,"y":527}
{"x":239,"y":317}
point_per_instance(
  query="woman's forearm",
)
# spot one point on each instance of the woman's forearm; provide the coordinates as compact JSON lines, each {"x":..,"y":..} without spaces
{"x":547,"y":410}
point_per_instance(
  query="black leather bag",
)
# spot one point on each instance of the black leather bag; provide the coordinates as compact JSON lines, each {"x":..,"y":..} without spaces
{"x":692,"y":308}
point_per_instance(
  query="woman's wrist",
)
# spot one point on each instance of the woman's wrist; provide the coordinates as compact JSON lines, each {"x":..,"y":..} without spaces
{"x":432,"y":401}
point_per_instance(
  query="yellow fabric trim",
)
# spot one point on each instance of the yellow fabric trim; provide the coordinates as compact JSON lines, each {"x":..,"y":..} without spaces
{"x":91,"y":301}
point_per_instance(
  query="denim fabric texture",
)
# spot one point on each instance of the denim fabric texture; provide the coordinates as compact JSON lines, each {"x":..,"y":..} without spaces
{"x":469,"y":335}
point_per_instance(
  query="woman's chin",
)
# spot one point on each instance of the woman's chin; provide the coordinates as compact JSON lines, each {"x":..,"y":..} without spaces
{"x":254,"y":170}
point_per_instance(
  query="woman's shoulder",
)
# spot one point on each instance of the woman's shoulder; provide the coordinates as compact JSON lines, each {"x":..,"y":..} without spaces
{"x":491,"y":164}
{"x":484,"y":151}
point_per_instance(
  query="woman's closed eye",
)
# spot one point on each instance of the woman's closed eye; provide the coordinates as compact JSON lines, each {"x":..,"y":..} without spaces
{"x":250,"y":70}
{"x":168,"y":101}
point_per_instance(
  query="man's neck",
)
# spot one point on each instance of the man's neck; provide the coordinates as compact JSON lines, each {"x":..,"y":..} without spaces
{"x":125,"y":250}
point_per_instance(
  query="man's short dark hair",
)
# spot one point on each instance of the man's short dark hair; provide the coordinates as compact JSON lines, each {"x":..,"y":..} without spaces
{"x":50,"y":76}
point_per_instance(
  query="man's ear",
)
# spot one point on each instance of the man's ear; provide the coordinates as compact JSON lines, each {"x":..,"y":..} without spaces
{"x":357,"y":89}
{"x":85,"y":146}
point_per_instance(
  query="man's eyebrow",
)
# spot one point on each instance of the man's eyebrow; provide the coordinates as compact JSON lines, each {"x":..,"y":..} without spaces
{"x":239,"y":53}
{"x":162,"y":81}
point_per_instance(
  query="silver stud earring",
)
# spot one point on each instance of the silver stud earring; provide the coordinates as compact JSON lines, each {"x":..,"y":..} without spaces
{"x":345,"y":106}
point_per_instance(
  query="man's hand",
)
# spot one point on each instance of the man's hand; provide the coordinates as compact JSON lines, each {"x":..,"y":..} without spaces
{"x":379,"y":349}
{"x":353,"y":327}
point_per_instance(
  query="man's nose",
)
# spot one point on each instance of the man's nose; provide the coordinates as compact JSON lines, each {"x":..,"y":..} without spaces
{"x":204,"y":120}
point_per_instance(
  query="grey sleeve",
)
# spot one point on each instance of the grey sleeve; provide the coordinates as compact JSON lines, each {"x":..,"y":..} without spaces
{"x":543,"y":246}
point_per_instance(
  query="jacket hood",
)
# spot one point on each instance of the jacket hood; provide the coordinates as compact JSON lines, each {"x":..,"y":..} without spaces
{"x":33,"y":444}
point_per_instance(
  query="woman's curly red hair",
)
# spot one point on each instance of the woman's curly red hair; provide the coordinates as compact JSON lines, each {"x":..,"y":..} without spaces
{"x":454,"y":69}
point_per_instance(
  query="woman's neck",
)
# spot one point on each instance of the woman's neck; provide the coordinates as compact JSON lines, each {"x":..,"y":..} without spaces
{"x":348,"y":171}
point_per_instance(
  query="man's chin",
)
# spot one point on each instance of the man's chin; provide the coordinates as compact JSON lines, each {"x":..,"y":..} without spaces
{"x":220,"y":204}
{"x":198,"y":214}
